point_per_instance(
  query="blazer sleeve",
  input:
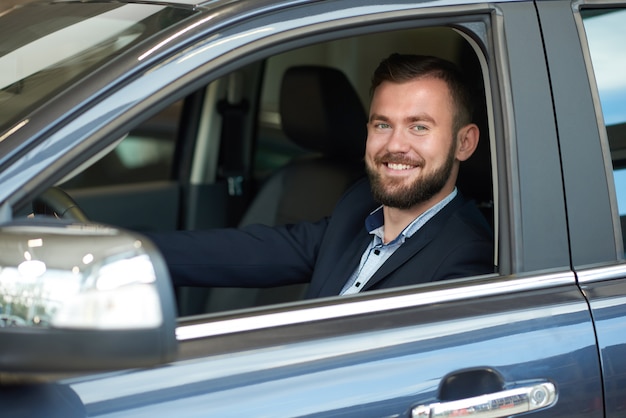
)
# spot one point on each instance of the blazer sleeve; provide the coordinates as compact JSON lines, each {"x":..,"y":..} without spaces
{"x":252,"y":256}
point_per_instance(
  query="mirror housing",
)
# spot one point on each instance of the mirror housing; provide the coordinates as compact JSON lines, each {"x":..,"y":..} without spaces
{"x":82,"y":297}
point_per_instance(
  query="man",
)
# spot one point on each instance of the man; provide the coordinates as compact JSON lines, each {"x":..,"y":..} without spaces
{"x":407,"y":225}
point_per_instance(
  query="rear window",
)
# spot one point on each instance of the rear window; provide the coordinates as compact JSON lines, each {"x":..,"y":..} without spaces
{"x":606,"y":31}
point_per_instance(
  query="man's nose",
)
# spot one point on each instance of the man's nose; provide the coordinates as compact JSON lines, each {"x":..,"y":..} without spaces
{"x":397,"y":141}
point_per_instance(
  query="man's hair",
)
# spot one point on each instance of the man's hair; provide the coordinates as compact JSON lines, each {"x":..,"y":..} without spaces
{"x":399,"y":68}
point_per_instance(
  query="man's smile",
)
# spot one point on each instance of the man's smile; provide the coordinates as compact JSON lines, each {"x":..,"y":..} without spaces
{"x":398,"y":163}
{"x":399,"y":166}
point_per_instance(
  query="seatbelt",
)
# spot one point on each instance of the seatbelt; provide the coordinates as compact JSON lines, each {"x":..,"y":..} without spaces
{"x":233,"y":160}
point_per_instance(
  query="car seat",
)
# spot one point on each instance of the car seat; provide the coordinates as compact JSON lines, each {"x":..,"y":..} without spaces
{"x":321,"y":112}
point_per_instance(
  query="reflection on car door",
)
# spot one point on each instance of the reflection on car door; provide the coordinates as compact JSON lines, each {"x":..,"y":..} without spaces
{"x":373,"y":357}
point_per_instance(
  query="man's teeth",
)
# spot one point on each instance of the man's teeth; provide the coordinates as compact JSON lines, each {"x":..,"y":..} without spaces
{"x":395,"y":166}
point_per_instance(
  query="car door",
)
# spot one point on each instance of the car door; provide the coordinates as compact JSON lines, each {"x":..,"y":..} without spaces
{"x":591,"y":123}
{"x":518,"y":341}
{"x":393,"y":354}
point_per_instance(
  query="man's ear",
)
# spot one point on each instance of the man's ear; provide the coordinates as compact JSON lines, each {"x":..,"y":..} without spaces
{"x":467,"y":141}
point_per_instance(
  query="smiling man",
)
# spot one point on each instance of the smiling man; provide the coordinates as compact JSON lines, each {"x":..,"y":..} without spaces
{"x":408,"y":224}
{"x":419,"y":130}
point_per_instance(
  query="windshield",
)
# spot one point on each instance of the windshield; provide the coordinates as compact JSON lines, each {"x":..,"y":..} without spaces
{"x":44,"y":47}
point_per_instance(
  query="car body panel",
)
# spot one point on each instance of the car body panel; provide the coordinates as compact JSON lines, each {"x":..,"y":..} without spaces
{"x":604,"y":287}
{"x":531,"y":105}
{"x":399,"y":357}
{"x":579,"y":140}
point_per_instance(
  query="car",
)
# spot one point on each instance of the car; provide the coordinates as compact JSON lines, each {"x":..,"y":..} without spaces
{"x":121,"y":118}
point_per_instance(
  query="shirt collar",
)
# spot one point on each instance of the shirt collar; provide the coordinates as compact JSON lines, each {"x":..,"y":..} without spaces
{"x":375,"y":221}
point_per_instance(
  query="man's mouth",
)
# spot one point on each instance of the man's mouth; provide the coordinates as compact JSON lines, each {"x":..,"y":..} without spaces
{"x":398,"y":162}
{"x":399,"y":166}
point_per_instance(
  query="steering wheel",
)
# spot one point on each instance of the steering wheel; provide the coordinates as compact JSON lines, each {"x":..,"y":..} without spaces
{"x":56,"y":202}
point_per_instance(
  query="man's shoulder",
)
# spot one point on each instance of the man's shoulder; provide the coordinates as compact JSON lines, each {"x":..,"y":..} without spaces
{"x":466,"y":214}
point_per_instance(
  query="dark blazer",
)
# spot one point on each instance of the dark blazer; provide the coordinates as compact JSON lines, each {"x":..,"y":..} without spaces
{"x":456,"y":242}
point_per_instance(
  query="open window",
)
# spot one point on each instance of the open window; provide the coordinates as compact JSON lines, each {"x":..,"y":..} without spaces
{"x":207,"y":160}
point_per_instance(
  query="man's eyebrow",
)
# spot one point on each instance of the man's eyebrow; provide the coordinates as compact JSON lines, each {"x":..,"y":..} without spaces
{"x":375,"y":116}
{"x":422,"y":117}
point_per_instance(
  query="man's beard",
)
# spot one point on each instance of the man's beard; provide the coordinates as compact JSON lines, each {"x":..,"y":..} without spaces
{"x":393,"y":194}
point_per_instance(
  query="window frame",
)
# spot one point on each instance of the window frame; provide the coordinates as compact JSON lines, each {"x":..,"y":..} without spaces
{"x":496,"y":75}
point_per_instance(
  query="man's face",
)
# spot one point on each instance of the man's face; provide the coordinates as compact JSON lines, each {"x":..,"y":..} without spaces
{"x":411,"y":148}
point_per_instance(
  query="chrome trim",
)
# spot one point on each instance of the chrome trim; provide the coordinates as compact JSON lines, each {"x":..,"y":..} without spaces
{"x":493,"y":405}
{"x":598,"y":274}
{"x":363,"y":304}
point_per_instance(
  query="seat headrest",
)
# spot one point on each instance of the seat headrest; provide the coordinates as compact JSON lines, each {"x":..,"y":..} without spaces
{"x":320,"y":111}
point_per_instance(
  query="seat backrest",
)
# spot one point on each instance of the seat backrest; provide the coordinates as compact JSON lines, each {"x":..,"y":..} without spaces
{"x":322,"y":113}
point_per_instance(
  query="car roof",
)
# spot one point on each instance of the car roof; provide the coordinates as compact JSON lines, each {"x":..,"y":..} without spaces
{"x":200,"y":4}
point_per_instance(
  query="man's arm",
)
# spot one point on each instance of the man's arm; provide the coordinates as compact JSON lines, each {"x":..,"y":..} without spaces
{"x":253,"y":256}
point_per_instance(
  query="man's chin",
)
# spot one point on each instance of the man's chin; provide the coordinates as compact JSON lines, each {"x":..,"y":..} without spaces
{"x":403,"y":196}
{"x":395,"y":198}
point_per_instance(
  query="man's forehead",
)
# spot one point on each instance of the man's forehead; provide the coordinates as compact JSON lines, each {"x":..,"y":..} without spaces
{"x":416,"y":83}
{"x":419,"y":93}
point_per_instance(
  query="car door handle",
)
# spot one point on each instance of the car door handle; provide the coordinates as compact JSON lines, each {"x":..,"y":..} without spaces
{"x":493,"y":405}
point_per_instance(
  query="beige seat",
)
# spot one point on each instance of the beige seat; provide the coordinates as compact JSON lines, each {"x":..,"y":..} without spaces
{"x":322,"y":113}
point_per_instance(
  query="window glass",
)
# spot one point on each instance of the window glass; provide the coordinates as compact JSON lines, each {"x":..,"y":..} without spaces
{"x":619,"y":175}
{"x":145,"y":155}
{"x":606,"y":31}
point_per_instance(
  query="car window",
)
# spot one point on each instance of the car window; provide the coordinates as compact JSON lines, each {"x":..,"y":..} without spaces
{"x":146,"y":154}
{"x":605,"y":30}
{"x":275,"y":148}
{"x":231,"y":130}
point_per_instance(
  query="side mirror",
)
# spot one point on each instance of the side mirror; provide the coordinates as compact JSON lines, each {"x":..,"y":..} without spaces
{"x":78,"y":297}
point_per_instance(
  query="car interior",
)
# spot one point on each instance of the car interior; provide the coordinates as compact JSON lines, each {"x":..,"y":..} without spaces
{"x":275,"y":142}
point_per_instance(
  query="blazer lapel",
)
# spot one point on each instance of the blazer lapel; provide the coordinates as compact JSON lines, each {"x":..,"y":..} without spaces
{"x":415,"y":243}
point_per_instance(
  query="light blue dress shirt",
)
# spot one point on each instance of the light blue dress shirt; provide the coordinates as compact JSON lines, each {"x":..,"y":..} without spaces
{"x":378,"y":252}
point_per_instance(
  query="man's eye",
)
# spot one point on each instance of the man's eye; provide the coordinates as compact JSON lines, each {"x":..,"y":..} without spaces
{"x":382,"y":126}
{"x":419,"y":128}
